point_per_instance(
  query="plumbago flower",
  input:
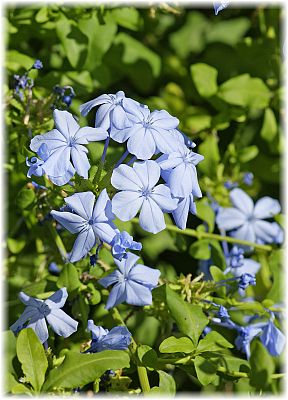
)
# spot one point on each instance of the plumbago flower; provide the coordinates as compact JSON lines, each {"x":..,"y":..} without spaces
{"x":113,"y":111}
{"x":92,"y":222}
{"x":37,"y":312}
{"x":121,"y":243}
{"x":132,"y":283}
{"x":118,"y":338}
{"x":272,"y":338}
{"x":139,"y":193}
{"x":238,"y":265}
{"x":247,"y":220}
{"x":220,"y":5}
{"x":65,"y":143}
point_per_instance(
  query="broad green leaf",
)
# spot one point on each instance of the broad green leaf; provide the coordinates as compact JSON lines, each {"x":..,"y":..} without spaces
{"x":69,"y":278}
{"x":213,"y":341}
{"x":205,"y":79}
{"x":100,"y":37}
{"x":245,"y":91}
{"x":230,"y":31}
{"x":15,"y":246}
{"x":269,"y":127}
{"x":16,"y":60}
{"x":167,"y":385}
{"x":209,"y":147}
{"x":15,"y":387}
{"x":189,"y":318}
{"x":128,"y":17}
{"x":32,"y":356}
{"x":177,"y":345}
{"x":248,"y":153}
{"x":206,"y":371}
{"x":79,"y":369}
{"x":9,"y":342}
{"x":25,"y":198}
{"x":133,"y":50}
{"x":147,"y":356}
{"x":262,"y":366}
{"x":200,"y":249}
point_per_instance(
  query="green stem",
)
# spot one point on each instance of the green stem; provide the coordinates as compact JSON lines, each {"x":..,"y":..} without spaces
{"x":142,"y":372}
{"x":237,"y":374}
{"x":58,"y":241}
{"x":264,"y":271}
{"x":207,"y":235}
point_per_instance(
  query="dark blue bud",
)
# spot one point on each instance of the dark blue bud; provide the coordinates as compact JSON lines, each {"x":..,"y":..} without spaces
{"x":67,"y":100}
{"x":37,"y":65}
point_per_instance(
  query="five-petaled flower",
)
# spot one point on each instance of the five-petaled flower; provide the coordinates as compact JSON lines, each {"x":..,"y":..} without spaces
{"x":123,"y":242}
{"x":138,"y":192}
{"x":132,"y":283}
{"x":118,"y":338}
{"x":37,"y":312}
{"x":93,"y":223}
{"x":247,"y":220}
{"x":65,"y":143}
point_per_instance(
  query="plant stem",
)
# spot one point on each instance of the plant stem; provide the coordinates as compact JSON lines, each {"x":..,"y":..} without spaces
{"x":102,"y":162}
{"x":142,"y":372}
{"x":200,"y":235}
{"x":122,"y":158}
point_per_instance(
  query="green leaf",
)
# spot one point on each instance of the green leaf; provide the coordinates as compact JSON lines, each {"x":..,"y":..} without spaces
{"x":269,"y":128}
{"x":177,"y":345}
{"x":248,"y":153}
{"x":16,"y":60}
{"x":79,"y":369}
{"x":213,"y":341}
{"x":69,"y":279}
{"x":205,"y":79}
{"x":15,"y":246}
{"x":209,"y":147}
{"x":128,"y":17}
{"x":230,"y":31}
{"x":166,"y":385}
{"x":100,"y":37}
{"x":25,"y":198}
{"x":205,"y":212}
{"x":200,"y":249}
{"x":276,"y":292}
{"x":206,"y":371}
{"x":135,"y":50}
{"x":32,"y":356}
{"x":245,"y":91}
{"x":15,"y":387}
{"x":147,"y":356}
{"x":189,"y":318}
{"x":262,"y":366}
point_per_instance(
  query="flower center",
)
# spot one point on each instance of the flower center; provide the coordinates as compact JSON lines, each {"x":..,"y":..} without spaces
{"x":44,"y":309}
{"x":146,"y":193}
{"x":91,"y":221}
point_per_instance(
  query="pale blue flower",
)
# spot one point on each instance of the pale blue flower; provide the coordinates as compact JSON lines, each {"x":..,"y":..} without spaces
{"x":65,"y":143}
{"x":220,"y":5}
{"x":148,"y":132}
{"x":273,"y":339}
{"x":113,"y":111}
{"x":248,"y":178}
{"x":35,"y":167}
{"x":37,"y":312}
{"x":247,"y":220}
{"x":92,"y":223}
{"x":139,"y":193}
{"x":118,"y":338}
{"x":132,"y":283}
{"x":238,"y":265}
{"x":245,"y":336}
{"x":183,"y":174}
{"x":123,"y":242}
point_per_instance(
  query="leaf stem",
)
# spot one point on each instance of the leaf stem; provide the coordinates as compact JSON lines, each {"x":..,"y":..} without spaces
{"x":142,"y":372}
{"x":200,"y":235}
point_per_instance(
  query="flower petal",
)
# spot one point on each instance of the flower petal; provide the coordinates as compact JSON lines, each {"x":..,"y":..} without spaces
{"x":65,"y":123}
{"x":137,"y":294}
{"x":163,"y":119}
{"x":144,"y":275}
{"x":82,"y":204}
{"x":52,"y":139}
{"x":61,"y":323}
{"x":151,"y":216}
{"x":58,"y":162}
{"x":58,"y":299}
{"x":38,"y":324}
{"x":245,"y":232}
{"x":265,"y":231}
{"x":105,"y":231}
{"x":102,"y":211}
{"x":72,"y":222}
{"x":249,"y":266}
{"x":87,"y":107}
{"x":116,"y":296}
{"x":266,"y":208}
{"x":242,"y":201}
{"x":62,"y":180}
{"x":148,"y":173}
{"x":141,"y":143}
{"x":87,"y":134}
{"x":180,"y":180}
{"x":126,"y":204}
{"x":28,"y":313}
{"x":84,"y":243}
{"x":180,"y":214}
{"x":111,"y":279}
{"x":230,"y":218}
{"x":80,"y":161}
{"x":162,"y":196}
{"x":125,"y":178}
{"x":29,"y":301}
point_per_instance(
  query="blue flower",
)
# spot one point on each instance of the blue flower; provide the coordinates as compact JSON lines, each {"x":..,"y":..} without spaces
{"x":35,"y":167}
{"x":230,"y":185}
{"x":37,"y":64}
{"x":223,"y":313}
{"x":139,"y":193}
{"x":182,"y":178}
{"x":53,"y":268}
{"x":246,"y":280}
{"x":93,"y":223}
{"x":113,"y":111}
{"x":273,"y":339}
{"x":132,"y":283}
{"x":220,"y":5}
{"x":118,"y":338}
{"x":247,"y":220}
{"x":37,"y":312}
{"x":248,"y":178}
{"x":123,"y":242}
{"x":238,"y":265}
{"x":245,"y":336}
{"x":65,"y":143}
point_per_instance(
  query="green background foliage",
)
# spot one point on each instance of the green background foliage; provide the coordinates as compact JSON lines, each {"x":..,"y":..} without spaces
{"x":221,"y":76}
